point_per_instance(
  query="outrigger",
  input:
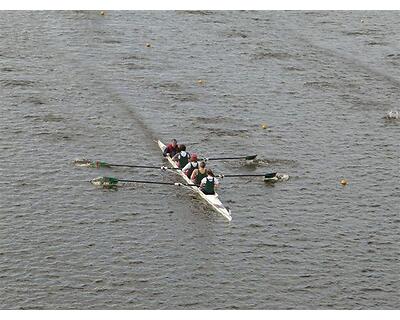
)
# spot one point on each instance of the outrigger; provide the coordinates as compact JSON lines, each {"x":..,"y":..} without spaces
{"x":212,"y":200}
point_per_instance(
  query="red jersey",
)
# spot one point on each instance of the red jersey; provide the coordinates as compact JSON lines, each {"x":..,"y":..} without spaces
{"x":171,"y":150}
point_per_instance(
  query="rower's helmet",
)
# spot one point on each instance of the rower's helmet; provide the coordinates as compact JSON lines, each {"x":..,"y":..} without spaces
{"x":193,"y":157}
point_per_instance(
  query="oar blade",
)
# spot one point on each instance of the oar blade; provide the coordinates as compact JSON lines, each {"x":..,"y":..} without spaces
{"x":270,"y":175}
{"x":251,"y":157}
{"x":100,"y":164}
{"x":274,"y":177}
{"x":104,"y":181}
{"x":91,"y":164}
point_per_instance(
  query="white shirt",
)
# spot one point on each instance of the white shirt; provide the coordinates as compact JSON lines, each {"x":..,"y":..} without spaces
{"x":182,"y":154}
{"x":179,"y":155}
{"x":188,"y":166}
{"x":203,"y":182}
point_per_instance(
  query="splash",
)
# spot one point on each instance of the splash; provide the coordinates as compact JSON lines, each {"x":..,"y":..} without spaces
{"x":276,"y":177}
{"x":393,"y":115}
{"x":82,"y":162}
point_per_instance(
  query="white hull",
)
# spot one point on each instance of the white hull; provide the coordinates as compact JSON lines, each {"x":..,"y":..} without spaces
{"x":213,"y":200}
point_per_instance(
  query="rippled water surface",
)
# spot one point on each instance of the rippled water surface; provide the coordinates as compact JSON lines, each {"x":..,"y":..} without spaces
{"x":81,"y":85}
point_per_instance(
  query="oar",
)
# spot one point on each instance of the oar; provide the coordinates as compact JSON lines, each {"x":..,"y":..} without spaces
{"x":265,"y":175}
{"x":232,"y":158}
{"x":102,"y":164}
{"x":140,"y":166}
{"x":111,"y":181}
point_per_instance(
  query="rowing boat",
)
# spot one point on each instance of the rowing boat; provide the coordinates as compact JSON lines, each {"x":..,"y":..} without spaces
{"x":212,"y":200}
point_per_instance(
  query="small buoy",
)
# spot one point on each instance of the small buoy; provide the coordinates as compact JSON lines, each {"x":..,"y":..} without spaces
{"x":200,"y":81}
{"x":148,"y":45}
{"x":362,"y":21}
{"x":102,"y":13}
{"x":264,"y":126}
{"x":343,"y":182}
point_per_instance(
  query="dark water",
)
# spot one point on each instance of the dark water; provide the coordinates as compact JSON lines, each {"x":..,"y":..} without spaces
{"x":78,"y":84}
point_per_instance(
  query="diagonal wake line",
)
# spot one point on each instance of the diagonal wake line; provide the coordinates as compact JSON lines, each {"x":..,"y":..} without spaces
{"x":356,"y":63}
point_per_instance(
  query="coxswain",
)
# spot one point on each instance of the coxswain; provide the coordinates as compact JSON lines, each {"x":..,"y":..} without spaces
{"x":199,"y":173}
{"x":171,"y":149}
{"x":181,"y":158}
{"x":209,"y":183}
{"x":193,"y":164}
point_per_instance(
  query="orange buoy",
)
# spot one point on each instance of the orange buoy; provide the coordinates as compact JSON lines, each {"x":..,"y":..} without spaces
{"x":343,"y":182}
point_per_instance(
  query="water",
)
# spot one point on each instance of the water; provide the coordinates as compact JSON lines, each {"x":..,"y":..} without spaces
{"x":77,"y":84}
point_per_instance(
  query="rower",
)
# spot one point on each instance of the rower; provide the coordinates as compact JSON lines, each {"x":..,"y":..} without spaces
{"x":193,"y":164}
{"x":171,"y":149}
{"x":199,"y":173}
{"x":209,"y":183}
{"x":181,"y":158}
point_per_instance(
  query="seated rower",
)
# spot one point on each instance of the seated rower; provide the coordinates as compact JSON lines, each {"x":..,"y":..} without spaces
{"x":209,"y":183}
{"x":193,"y":164}
{"x":199,"y":173}
{"x":181,"y":158}
{"x":171,"y":149}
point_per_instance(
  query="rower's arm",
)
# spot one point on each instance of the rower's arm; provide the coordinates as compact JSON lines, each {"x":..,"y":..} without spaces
{"x":186,"y":167}
{"x":194,"y":174}
{"x":166,"y":151}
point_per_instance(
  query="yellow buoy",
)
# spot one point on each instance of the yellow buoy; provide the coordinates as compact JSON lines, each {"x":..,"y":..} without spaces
{"x":343,"y":182}
{"x":264,"y":126}
{"x":200,"y":81}
{"x":148,"y":45}
{"x":102,"y":13}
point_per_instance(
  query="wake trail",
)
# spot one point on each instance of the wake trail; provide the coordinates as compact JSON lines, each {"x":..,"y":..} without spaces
{"x":353,"y":63}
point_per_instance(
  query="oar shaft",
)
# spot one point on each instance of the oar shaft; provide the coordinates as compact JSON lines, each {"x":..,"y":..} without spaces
{"x":226,"y":158}
{"x":137,"y":166}
{"x":157,"y":182}
{"x":143,"y":181}
{"x":233,"y":158}
{"x":266,"y":175}
{"x":243,"y":175}
{"x":133,"y":166}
